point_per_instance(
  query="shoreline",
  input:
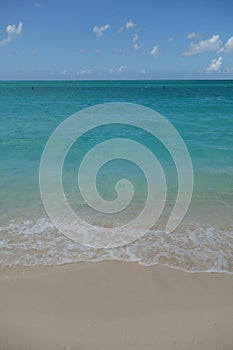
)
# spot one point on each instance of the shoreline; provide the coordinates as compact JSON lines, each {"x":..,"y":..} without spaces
{"x":114,"y":306}
{"x":6,"y":270}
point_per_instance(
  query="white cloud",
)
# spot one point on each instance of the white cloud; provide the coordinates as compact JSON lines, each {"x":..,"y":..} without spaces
{"x":135,"y":38}
{"x":129,"y":24}
{"x":215,"y":65}
{"x":193,"y":36}
{"x":12,"y":31}
{"x":84,"y":71}
{"x":111,"y":70}
{"x":99,"y":31}
{"x":211,"y":44}
{"x":155,"y":51}
{"x":121,"y":29}
{"x":122,"y":68}
{"x":208,"y":45}
{"x":228,"y":47}
{"x":170,"y":39}
{"x":137,"y":46}
{"x":64,"y":72}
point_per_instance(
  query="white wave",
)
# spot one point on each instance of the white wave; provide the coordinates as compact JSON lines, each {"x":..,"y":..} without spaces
{"x":194,"y":249}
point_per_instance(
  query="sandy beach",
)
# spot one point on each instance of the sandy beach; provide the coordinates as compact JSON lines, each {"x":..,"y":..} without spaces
{"x":114,"y":305}
{"x":116,"y":175}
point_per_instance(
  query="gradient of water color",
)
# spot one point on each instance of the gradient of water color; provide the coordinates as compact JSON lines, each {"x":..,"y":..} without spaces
{"x":202,"y":112}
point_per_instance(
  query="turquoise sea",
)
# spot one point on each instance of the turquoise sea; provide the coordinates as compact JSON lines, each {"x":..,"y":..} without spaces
{"x":201,"y":111}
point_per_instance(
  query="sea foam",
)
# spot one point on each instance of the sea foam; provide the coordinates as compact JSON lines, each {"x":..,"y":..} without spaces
{"x":31,"y":243}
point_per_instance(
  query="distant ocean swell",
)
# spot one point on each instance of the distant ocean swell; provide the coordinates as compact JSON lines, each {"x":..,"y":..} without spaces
{"x":193,"y":249}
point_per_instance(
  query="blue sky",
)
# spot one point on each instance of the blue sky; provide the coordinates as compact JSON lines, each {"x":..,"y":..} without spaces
{"x":120,"y":39}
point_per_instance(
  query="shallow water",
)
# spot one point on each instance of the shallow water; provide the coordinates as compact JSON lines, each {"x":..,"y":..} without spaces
{"x":201,"y":111}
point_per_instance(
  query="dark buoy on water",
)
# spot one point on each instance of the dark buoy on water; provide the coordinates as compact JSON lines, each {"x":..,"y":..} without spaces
{"x":32,"y":87}
{"x":163,"y":87}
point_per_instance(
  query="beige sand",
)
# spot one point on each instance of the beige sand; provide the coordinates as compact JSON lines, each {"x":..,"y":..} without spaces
{"x":120,"y":306}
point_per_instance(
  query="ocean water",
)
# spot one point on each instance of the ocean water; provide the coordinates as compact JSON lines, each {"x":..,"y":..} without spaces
{"x":201,"y":111}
